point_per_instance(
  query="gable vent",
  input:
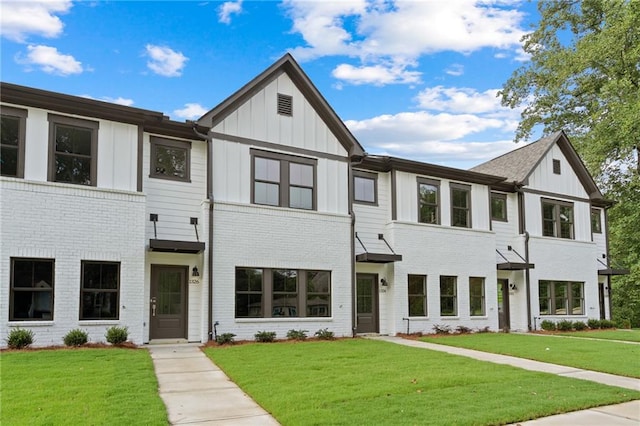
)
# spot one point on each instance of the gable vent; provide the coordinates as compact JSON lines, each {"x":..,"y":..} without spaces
{"x":285,"y":105}
{"x":556,"y":166}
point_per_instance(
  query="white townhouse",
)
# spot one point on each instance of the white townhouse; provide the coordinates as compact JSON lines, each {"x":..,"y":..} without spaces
{"x":267,"y":215}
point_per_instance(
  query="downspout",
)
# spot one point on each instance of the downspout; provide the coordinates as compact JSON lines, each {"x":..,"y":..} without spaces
{"x":606,"y":242}
{"x":523,"y":230}
{"x":209,"y":139}
{"x":353,"y":245}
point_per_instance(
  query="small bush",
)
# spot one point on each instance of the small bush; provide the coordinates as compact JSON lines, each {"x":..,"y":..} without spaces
{"x":265,"y":336}
{"x":20,"y":338}
{"x":117,"y":335}
{"x":593,"y":324}
{"x":579,"y":326}
{"x":461,"y":329}
{"x":324,"y":334}
{"x":565,"y":325}
{"x":607,"y":324}
{"x":442,"y":329}
{"x":623,"y":323}
{"x":225,"y":339}
{"x":486,"y":329}
{"x":297,"y":334}
{"x":76,"y":337}
{"x":548,"y":325}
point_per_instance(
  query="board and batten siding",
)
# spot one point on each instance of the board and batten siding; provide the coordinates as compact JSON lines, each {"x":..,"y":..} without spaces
{"x":116,"y":157}
{"x":567,"y":183}
{"x":581,"y":216}
{"x":372,"y":220}
{"x":175,"y":202}
{"x":258,"y":119}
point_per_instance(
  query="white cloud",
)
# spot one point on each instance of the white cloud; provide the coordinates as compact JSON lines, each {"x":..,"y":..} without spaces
{"x":49,"y":60}
{"x":18,"y":19}
{"x":377,"y":74}
{"x":190,"y":111}
{"x":227,"y":9}
{"x":399,"y":33}
{"x":119,"y":100}
{"x":460,"y":100}
{"x":455,"y":70}
{"x":165,"y":61}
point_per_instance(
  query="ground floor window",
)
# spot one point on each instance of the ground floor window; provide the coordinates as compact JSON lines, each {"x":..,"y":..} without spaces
{"x":476,"y":296}
{"x":276,"y":293}
{"x":31,"y":289}
{"x":99,"y":294}
{"x":448,"y":296}
{"x":417,"y":293}
{"x":561,"y":297}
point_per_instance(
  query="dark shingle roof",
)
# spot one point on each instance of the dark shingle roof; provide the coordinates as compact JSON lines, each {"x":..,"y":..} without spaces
{"x":519,"y":163}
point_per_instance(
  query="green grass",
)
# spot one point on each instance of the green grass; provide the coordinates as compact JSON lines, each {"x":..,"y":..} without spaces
{"x":359,"y":381}
{"x":80,"y":387}
{"x":596,"y":355}
{"x":624,"y":335}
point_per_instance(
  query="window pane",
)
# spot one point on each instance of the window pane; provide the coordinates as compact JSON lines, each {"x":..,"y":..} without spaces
{"x":476,"y":296}
{"x":595,"y":221}
{"x":9,"y":134}
{"x":460,"y":217}
{"x":73,"y":140}
{"x":566,"y":222}
{"x":498,"y":208}
{"x":91,"y":277}
{"x":416,"y":284}
{"x":428,"y":203}
{"x":318,"y":306}
{"x":318,"y":281}
{"x":300,"y":198}
{"x":99,"y":305}
{"x":72,"y":169}
{"x":459,"y":198}
{"x":171,"y":162}
{"x":301,"y":174}
{"x":561,"y":298}
{"x":9,"y":160}
{"x":285,"y":305}
{"x":285,"y":280}
{"x":267,"y":193}
{"x":364,"y":189}
{"x":577,"y":299}
{"x":548,"y":211}
{"x":428,"y":193}
{"x":267,"y":169}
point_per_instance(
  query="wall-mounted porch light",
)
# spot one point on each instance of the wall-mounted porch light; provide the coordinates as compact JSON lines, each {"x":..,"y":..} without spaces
{"x":195,"y":272}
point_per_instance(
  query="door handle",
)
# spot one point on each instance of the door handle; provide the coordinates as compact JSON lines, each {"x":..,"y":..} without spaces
{"x":153,"y":306}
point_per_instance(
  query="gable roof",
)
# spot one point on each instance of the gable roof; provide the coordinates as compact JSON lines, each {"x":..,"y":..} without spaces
{"x":287,"y":65}
{"x":518,"y":164}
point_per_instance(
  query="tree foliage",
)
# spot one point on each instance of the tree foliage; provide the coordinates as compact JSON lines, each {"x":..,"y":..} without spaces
{"x":584,"y":77}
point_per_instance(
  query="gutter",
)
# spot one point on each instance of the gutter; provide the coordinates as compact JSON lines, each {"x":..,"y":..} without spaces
{"x":354,"y":295}
{"x":523,"y":230}
{"x":209,"y":139}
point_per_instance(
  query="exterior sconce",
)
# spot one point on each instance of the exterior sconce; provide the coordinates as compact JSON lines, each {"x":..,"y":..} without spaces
{"x":512,"y":287}
{"x":384,"y":282}
{"x":194,"y":272}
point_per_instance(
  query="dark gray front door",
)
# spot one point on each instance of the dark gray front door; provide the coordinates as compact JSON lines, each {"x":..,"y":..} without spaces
{"x":503,"y":304}
{"x":168,"y":313}
{"x":367,"y":303}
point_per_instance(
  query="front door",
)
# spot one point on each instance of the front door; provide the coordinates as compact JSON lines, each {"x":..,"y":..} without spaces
{"x":168,"y":313}
{"x":366,"y":303}
{"x":503,"y":304}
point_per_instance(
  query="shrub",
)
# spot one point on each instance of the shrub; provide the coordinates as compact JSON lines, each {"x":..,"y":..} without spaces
{"x":20,"y":338}
{"x":461,"y":329}
{"x":324,"y":334}
{"x":225,"y":339}
{"x":623,"y":323}
{"x":565,"y":325}
{"x":593,"y":324}
{"x":117,"y":335}
{"x":442,"y":329}
{"x":606,"y":324}
{"x":76,"y":337}
{"x":486,"y":329}
{"x":297,"y":334}
{"x":579,"y":325}
{"x":548,"y":325}
{"x":265,"y":336}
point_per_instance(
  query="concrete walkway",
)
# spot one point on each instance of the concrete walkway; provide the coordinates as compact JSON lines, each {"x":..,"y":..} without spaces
{"x":626,"y":414}
{"x":196,"y":392}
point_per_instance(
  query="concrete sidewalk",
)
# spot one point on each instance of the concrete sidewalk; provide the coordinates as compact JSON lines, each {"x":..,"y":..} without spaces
{"x":196,"y":392}
{"x":626,"y":414}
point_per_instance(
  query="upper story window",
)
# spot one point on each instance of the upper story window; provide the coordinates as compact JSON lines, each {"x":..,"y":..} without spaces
{"x":499,"y":206}
{"x":557,"y":219}
{"x":283,"y":180}
{"x":460,"y":205}
{"x":73,"y":150}
{"x":12,"y":136}
{"x":170,"y":159}
{"x":428,"y":201}
{"x":99,"y":290}
{"x":596,"y":223}
{"x":31,"y":289}
{"x":365,"y":187}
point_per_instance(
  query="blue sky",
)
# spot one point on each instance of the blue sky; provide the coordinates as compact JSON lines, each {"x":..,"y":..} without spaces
{"x":414,"y":79}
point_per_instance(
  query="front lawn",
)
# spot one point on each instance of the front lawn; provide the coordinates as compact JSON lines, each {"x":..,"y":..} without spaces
{"x":109,"y":386}
{"x":359,"y":381}
{"x":632,"y":335}
{"x":580,"y":353}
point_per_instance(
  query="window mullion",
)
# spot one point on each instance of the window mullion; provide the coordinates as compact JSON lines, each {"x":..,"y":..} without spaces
{"x":284,"y":183}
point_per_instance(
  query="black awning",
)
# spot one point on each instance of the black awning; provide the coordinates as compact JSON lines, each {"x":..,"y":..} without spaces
{"x":515,"y":266}
{"x":613,"y":271}
{"x":170,"y":246}
{"x":378,"y":257}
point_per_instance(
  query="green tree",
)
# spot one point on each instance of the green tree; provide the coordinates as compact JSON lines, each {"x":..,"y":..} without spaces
{"x":584,"y":77}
